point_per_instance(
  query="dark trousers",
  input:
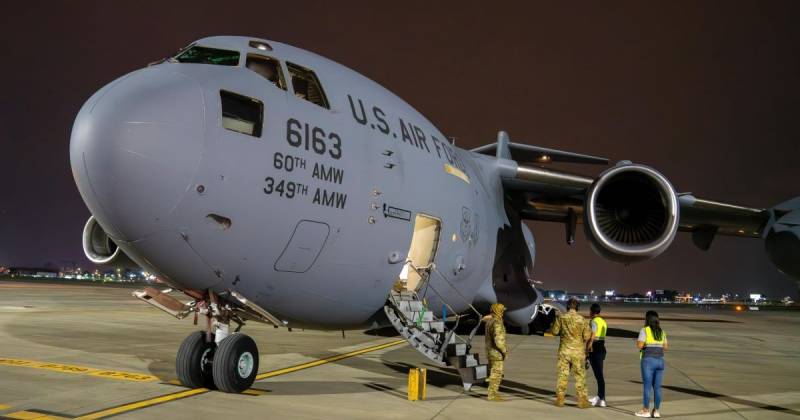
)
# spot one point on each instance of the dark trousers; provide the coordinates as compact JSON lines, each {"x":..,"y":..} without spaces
{"x":596,"y":358}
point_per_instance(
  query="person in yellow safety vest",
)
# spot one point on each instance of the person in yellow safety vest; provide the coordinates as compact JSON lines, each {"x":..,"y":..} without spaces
{"x":596,"y":348}
{"x":652,"y":343}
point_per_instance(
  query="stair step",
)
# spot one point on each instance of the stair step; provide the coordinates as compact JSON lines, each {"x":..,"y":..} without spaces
{"x":473,"y":374}
{"x":417,"y":316}
{"x":410,"y":306}
{"x":467,"y":361}
{"x":434,"y":326}
{"x":457,"y":349}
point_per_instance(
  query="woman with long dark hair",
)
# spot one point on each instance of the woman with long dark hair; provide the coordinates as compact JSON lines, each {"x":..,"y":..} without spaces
{"x":652,"y":343}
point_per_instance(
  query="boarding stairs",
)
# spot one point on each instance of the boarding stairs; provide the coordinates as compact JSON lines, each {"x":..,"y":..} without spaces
{"x":409,"y":313}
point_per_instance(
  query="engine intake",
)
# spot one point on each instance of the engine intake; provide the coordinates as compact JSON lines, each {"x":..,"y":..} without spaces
{"x":631,"y":214}
{"x":100,"y":249}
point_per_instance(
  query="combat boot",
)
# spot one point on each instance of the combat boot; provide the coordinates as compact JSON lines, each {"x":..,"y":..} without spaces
{"x":496,"y":398}
{"x":559,"y":401}
{"x":584,"y":403}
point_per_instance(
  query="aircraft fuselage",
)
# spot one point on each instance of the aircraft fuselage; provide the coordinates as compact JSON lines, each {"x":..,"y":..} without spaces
{"x":312,"y":219}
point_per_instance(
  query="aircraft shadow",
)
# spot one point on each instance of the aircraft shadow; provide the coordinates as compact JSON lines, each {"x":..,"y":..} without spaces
{"x":619,"y":332}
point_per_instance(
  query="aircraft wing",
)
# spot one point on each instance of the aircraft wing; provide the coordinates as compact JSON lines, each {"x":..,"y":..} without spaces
{"x":525,"y":153}
{"x":631,"y":212}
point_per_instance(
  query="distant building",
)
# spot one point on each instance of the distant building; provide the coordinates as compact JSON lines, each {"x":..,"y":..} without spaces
{"x":665,"y":295}
{"x":32,"y":272}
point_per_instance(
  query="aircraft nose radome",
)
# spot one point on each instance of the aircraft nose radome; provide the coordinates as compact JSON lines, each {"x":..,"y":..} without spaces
{"x":135,"y":148}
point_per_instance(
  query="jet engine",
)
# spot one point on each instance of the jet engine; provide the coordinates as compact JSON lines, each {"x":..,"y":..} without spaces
{"x":782,"y":240}
{"x":631,"y":213}
{"x":100,"y":249}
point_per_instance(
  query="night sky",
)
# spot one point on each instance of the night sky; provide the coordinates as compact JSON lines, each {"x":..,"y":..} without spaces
{"x":706,"y":92}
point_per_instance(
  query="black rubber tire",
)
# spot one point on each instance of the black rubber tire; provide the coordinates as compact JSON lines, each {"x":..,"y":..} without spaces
{"x":193,"y":370}
{"x":229,"y":353}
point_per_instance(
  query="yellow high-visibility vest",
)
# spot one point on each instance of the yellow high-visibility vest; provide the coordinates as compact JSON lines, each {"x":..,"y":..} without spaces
{"x":651,"y":340}
{"x":602,"y":328}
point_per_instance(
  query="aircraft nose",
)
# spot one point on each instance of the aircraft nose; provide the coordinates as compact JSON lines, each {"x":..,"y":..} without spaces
{"x":135,"y":148}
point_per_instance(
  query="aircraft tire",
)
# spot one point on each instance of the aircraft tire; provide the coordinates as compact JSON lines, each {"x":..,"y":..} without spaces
{"x":193,"y":363}
{"x":235,"y":363}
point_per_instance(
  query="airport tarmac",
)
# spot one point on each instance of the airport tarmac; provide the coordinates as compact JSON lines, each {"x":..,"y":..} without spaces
{"x":72,"y":351}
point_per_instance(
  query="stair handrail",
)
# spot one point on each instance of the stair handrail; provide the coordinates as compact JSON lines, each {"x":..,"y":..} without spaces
{"x":444,"y":301}
{"x":428,"y":284}
{"x":463,"y":298}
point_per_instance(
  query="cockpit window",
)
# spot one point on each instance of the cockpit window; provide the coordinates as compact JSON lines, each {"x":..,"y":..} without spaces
{"x":204,"y":55}
{"x":267,"y":67}
{"x":306,"y":85}
{"x":241,"y":114}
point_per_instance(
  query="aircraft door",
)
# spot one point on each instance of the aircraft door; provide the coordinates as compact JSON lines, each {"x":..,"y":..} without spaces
{"x":422,"y":252}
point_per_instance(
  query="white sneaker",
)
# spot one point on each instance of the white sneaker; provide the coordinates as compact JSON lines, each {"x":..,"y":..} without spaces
{"x":594,"y":401}
{"x":642,"y":413}
{"x":656,"y":414}
{"x":602,"y":403}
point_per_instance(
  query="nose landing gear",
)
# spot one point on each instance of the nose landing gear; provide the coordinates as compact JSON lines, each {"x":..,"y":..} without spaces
{"x":214,"y":358}
{"x":230,"y":366}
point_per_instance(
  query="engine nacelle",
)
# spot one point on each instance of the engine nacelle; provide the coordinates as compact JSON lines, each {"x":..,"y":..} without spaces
{"x":100,"y":249}
{"x":631,"y":213}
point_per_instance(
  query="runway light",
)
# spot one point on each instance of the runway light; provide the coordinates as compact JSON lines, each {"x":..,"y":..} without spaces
{"x":738,"y":308}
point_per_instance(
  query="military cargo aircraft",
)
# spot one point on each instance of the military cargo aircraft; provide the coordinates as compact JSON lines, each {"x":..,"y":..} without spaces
{"x":270,"y":184}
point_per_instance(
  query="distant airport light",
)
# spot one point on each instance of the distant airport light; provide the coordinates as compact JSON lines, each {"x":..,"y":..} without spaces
{"x":609,"y":293}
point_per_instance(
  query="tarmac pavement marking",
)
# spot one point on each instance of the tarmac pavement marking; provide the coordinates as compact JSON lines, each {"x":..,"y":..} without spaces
{"x":192,"y":392}
{"x":330,"y":359}
{"x":63,"y":368}
{"x":4,"y":406}
{"x":30,"y":415}
{"x":142,"y":404}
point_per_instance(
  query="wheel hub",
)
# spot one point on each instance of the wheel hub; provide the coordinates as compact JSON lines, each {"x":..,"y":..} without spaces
{"x":245,"y":365}
{"x":206,"y":359}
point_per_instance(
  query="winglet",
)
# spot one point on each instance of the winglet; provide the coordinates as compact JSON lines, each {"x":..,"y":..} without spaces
{"x":503,"y":152}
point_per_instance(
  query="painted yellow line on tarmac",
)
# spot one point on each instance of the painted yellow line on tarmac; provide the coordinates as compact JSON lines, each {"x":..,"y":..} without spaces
{"x":326,"y":360}
{"x":183,"y":394}
{"x":30,"y":415}
{"x":142,"y":404}
{"x":63,"y":368}
{"x":4,"y":406}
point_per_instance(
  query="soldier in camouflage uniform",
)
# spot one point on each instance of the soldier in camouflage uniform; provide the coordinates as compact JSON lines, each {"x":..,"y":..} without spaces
{"x":574,"y":332}
{"x":496,"y":349}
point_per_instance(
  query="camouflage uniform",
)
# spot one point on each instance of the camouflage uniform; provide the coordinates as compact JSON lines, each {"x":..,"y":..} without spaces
{"x":496,"y":349}
{"x":574,"y":332}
